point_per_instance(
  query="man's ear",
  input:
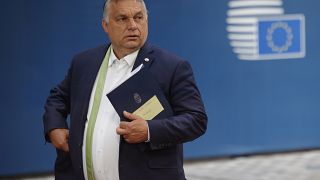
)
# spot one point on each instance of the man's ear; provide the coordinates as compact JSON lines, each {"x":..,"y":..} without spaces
{"x":104,"y":25}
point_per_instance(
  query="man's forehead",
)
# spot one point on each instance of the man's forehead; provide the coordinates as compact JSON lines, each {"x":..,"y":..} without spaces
{"x":125,"y":8}
{"x":127,"y":3}
{"x":116,"y":1}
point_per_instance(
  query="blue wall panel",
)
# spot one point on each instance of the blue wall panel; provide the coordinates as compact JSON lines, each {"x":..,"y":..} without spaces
{"x":253,"y":106}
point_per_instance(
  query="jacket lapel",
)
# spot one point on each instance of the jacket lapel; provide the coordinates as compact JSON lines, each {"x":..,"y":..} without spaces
{"x":91,"y":77}
{"x":144,"y":57}
{"x":96,"y":63}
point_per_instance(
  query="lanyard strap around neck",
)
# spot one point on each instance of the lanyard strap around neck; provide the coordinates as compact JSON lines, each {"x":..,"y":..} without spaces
{"x":94,"y":112}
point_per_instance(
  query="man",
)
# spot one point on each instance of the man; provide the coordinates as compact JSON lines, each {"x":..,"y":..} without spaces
{"x":98,"y":145}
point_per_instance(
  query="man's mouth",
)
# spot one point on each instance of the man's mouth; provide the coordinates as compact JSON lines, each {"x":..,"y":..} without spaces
{"x":132,"y":36}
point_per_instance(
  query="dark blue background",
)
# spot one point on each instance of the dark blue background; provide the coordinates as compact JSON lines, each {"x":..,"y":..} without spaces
{"x":253,"y":107}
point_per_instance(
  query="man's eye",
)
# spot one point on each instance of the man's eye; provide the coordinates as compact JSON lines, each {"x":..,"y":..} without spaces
{"x":122,"y":19}
{"x":138,"y":17}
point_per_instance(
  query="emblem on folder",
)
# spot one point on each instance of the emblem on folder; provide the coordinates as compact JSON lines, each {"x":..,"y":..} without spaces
{"x":137,"y":98}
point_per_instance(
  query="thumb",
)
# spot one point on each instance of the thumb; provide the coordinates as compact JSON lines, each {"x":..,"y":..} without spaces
{"x":131,"y":116}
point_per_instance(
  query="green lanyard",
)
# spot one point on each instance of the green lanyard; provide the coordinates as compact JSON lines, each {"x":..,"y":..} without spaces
{"x":94,"y":112}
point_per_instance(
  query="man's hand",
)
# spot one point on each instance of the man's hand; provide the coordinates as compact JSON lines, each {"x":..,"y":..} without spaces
{"x":135,"y":131}
{"x":59,"y":139}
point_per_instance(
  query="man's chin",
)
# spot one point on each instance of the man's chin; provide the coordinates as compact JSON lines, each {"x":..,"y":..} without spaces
{"x":133,"y":45}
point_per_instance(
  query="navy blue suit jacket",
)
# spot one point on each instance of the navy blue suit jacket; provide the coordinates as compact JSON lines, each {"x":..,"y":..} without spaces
{"x":159,"y":159}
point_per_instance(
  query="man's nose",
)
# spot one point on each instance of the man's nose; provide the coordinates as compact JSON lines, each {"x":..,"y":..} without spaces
{"x":132,"y":24}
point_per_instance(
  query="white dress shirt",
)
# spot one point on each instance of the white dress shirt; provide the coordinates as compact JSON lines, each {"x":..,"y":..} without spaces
{"x":105,"y":145}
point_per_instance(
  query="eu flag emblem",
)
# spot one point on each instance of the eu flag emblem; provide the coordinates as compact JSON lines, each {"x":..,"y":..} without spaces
{"x":281,"y":37}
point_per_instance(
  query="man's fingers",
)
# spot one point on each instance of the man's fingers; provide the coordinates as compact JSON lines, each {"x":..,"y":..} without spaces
{"x":135,"y":131}
{"x":59,"y":139}
{"x":130,"y":116}
{"x":67,"y":134}
{"x":65,"y":147}
{"x":121,"y":131}
{"x":123,"y":124}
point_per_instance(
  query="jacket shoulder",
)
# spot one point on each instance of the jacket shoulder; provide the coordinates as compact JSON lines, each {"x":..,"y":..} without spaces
{"x":96,"y":52}
{"x":166,"y":56}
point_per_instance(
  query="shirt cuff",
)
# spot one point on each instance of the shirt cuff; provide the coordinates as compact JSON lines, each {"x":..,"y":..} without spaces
{"x":148,"y":140}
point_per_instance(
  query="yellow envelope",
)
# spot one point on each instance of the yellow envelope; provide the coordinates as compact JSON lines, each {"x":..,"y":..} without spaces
{"x":149,"y":109}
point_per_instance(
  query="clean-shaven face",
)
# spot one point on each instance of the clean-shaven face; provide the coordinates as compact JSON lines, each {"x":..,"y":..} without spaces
{"x":127,"y":26}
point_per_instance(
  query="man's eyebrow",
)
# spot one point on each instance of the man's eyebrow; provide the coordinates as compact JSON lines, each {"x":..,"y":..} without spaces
{"x":121,"y":15}
{"x":140,"y":12}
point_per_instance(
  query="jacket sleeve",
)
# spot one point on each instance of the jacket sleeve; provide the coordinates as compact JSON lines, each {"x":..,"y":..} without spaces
{"x":57,"y":106}
{"x":189,"y":120}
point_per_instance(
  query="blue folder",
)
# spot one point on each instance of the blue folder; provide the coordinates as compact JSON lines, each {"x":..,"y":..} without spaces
{"x":137,"y":90}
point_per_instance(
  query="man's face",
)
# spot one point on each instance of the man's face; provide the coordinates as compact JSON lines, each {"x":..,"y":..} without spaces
{"x":127,"y":27}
